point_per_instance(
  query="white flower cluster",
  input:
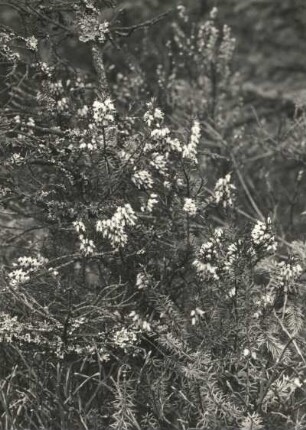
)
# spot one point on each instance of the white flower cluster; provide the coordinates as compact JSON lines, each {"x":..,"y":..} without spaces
{"x":56,"y":88}
{"x":17,"y":119}
{"x":288,"y":273}
{"x":196,"y":314}
{"x":265,"y":300}
{"x":30,"y":262}
{"x":125,"y":338}
{"x":190,"y":150}
{"x":159,"y":162}
{"x":174,"y":144}
{"x":232,"y":292}
{"x":16,"y":159}
{"x":213,"y":13}
{"x":12,"y":330}
{"x":89,"y":146}
{"x":76,"y":324}
{"x":142,"y":178}
{"x":208,"y":37}
{"x":32,"y":43}
{"x":31,"y":122}
{"x":87,"y":246}
{"x":104,"y":112}
{"x":46,"y":69}
{"x":231,"y":256}
{"x":62,"y":104}
{"x":114,"y":228}
{"x":167,"y":184}
{"x":227,"y":47}
{"x":26,"y":266}
{"x":91,"y":139}
{"x":190,"y":206}
{"x":83,"y":111}
{"x":153,"y":116}
{"x":151,"y":202}
{"x":223,"y":192}
{"x":142,"y":281}
{"x":206,"y":269}
{"x":91,"y":29}
{"x":182,"y":12}
{"x":4,"y":191}
{"x":79,"y":226}
{"x":160,"y":133}
{"x":9,"y":327}
{"x":86,"y":350}
{"x":139,"y":322}
{"x":263,"y":237}
{"x":248,"y":353}
{"x":207,"y":253}
{"x":210,"y":249}
{"x":90,"y":4}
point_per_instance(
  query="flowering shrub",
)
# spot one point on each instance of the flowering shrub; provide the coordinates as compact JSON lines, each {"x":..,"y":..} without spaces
{"x":144,"y":288}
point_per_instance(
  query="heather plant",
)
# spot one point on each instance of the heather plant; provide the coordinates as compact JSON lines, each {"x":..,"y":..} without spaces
{"x":143,"y":287}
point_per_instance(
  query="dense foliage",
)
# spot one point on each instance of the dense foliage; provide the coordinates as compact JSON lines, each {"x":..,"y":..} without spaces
{"x":153,"y":261}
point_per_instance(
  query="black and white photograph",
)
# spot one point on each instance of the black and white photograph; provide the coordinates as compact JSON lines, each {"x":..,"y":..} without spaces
{"x":152,"y":215}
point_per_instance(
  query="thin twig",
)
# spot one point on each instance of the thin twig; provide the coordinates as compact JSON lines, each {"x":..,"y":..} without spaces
{"x":127,"y":31}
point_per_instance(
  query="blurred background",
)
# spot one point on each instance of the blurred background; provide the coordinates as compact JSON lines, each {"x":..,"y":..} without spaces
{"x":271,"y":37}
